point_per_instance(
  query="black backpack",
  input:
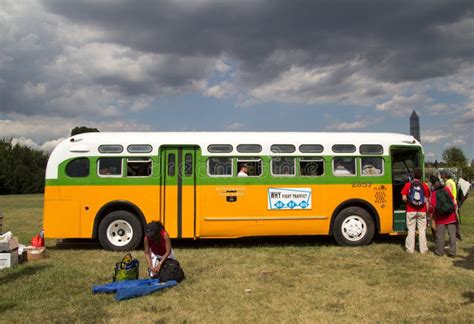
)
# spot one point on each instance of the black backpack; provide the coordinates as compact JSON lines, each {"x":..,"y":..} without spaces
{"x":444,"y":203}
{"x":171,"y":270}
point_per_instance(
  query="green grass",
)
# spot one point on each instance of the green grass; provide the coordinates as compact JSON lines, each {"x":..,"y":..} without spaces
{"x":306,"y":279}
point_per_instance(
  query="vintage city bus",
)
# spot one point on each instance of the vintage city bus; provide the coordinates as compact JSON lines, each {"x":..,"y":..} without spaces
{"x":228,"y":185}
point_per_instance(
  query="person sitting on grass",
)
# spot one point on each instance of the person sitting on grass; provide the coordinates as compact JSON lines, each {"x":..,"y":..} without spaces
{"x":157,"y":246}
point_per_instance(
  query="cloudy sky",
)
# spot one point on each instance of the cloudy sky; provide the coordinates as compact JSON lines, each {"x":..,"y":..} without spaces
{"x":222,"y":65}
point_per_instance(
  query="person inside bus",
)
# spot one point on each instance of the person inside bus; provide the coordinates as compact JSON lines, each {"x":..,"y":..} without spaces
{"x":416,"y":194}
{"x":157,"y":246}
{"x":244,"y":171}
{"x":340,"y":169}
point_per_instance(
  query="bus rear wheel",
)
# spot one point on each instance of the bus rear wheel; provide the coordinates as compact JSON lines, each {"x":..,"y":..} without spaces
{"x":353,"y":226}
{"x":120,"y":231}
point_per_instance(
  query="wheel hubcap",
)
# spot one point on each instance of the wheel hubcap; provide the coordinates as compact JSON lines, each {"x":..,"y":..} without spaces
{"x":354,"y":228}
{"x":119,"y":232}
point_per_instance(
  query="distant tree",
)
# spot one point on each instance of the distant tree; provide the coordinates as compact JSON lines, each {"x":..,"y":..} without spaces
{"x":454,"y":157}
{"x":22,"y":169}
{"x":83,"y":129}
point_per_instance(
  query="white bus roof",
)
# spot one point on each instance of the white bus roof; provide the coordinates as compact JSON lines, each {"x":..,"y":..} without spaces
{"x":87,"y":144}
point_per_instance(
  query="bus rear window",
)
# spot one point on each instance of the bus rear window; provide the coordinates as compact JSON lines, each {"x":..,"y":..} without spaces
{"x":219,"y":167}
{"x":78,"y":168}
{"x":109,"y":167}
{"x":139,"y":167}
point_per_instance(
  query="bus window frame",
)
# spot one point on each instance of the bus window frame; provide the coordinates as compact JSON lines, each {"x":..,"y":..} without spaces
{"x":345,"y":175}
{"x":109,"y":175}
{"x":308,"y":159}
{"x":372,"y":175}
{"x":283,"y":175}
{"x":220,"y":176}
{"x":237,"y":160}
{"x":139,"y":177}
{"x":75,"y":159}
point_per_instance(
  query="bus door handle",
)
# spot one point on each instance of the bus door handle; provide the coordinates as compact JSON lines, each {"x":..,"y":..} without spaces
{"x":231,"y":196}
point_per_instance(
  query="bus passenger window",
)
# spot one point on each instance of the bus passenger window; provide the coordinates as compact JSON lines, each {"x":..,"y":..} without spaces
{"x":139,"y":167}
{"x":344,"y":166}
{"x":311,"y":167}
{"x":371,"y":166}
{"x":78,"y":168}
{"x":254,"y":166}
{"x":110,"y":166}
{"x":283,"y":166}
{"x":219,"y":167}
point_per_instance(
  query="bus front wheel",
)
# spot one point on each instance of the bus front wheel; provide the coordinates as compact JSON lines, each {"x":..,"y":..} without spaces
{"x":353,"y":226}
{"x":120,"y":231}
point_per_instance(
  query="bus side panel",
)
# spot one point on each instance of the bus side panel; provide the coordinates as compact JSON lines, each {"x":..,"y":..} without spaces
{"x":221,"y":218}
{"x":377,"y":195}
{"x":90,"y":199}
{"x":61,"y":217}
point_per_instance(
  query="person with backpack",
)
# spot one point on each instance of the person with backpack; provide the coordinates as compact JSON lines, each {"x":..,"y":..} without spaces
{"x":159,"y":255}
{"x":415,"y":193}
{"x":443,"y":210}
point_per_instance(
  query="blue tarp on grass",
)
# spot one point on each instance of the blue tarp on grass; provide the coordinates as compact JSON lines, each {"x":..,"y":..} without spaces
{"x":132,"y":288}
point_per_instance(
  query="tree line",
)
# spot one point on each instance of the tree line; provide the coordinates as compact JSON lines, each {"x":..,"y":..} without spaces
{"x":22,"y":169}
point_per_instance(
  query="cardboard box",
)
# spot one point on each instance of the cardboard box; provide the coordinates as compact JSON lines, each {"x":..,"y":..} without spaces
{"x":8,"y":260}
{"x":35,"y":254}
{"x":10,"y":245}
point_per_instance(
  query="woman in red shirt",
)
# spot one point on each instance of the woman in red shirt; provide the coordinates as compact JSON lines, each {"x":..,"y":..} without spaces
{"x":157,"y":245}
{"x":443,"y":222}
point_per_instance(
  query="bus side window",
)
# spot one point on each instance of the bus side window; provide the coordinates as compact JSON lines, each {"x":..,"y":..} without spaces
{"x":371,"y":166}
{"x":311,"y":167}
{"x":283,"y":166}
{"x":219,"y":167}
{"x":78,"y":168}
{"x":344,"y":166}
{"x":139,"y":167}
{"x":110,"y":166}
{"x":254,"y":166}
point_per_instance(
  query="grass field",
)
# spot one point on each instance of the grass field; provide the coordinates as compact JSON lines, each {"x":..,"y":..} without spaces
{"x":308,"y":279}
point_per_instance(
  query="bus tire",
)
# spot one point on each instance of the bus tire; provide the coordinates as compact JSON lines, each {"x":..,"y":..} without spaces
{"x":120,"y":230}
{"x":353,"y":226}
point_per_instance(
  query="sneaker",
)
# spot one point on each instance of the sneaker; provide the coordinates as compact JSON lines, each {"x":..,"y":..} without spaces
{"x":451,"y":255}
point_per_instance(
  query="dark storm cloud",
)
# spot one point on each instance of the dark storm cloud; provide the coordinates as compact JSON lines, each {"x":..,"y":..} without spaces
{"x":399,"y":40}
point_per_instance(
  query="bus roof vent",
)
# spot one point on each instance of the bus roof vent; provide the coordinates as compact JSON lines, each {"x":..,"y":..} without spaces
{"x":79,"y":149}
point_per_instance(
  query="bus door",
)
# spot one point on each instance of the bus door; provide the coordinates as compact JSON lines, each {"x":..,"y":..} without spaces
{"x":404,"y":160}
{"x":178,"y":191}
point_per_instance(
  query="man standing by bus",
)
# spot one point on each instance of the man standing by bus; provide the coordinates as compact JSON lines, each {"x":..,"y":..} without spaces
{"x":416,"y":194}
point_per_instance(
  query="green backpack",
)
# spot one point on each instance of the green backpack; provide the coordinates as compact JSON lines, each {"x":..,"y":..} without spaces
{"x":127,"y":269}
{"x":444,"y":203}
